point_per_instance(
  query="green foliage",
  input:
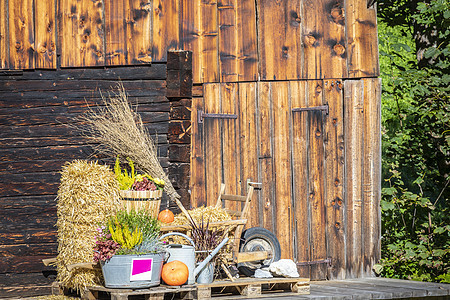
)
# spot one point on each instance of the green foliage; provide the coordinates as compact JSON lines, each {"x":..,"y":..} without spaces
{"x":416,"y":141}
{"x":135,"y":231}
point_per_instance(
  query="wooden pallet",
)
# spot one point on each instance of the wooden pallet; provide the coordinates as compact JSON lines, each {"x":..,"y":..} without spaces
{"x":246,"y":288}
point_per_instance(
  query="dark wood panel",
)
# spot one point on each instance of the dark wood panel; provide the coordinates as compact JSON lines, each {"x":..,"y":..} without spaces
{"x":30,"y":236}
{"x":27,"y":201}
{"x":11,"y":280}
{"x":29,"y":250}
{"x":55,"y":152}
{"x":23,"y":264}
{"x":156,"y":71}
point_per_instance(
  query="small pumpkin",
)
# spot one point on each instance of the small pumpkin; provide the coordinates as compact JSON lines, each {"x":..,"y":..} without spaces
{"x":166,"y":216}
{"x":175,"y":273}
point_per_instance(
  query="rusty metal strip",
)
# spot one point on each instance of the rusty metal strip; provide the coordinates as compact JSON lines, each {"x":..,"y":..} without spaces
{"x":202,"y":115}
{"x":312,"y":108}
{"x":315,"y":262}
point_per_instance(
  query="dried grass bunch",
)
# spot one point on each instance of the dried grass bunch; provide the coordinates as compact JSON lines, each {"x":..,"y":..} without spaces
{"x":119,"y":130}
{"x":88,"y":194}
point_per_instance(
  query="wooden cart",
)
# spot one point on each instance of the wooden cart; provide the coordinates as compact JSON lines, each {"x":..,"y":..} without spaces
{"x":266,"y":251}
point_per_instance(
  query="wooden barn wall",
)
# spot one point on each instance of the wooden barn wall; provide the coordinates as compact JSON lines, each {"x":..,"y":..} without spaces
{"x":320,"y":171}
{"x":232,"y":40}
{"x":37,"y":111}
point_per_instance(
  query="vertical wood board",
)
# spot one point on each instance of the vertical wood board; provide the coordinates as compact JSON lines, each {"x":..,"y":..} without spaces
{"x":371,"y":175}
{"x":228,"y":40}
{"x":229,"y":94}
{"x":248,"y":147}
{"x":45,"y":24}
{"x":139,"y":32}
{"x":166,"y":17}
{"x":265,"y":155}
{"x":247,"y":47}
{"x":116,"y":32}
{"x":21,"y":34}
{"x":334,"y":178}
{"x":4,"y":40}
{"x":81,"y":33}
{"x":279,"y":39}
{"x":190,"y":34}
{"x":210,"y":41}
{"x":282,"y":167}
{"x":300,"y":141}
{"x":198,"y":180}
{"x":353,"y":132}
{"x":316,"y":180}
{"x":213,"y":143}
{"x":324,"y":39}
{"x":362,"y":39}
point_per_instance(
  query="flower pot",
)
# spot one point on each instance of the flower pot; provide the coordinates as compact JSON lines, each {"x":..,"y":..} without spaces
{"x":133,"y":271}
{"x":138,"y":200}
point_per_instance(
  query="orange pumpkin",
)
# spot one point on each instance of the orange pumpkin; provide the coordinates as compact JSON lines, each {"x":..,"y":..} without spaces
{"x":166,"y":216}
{"x":175,"y":273}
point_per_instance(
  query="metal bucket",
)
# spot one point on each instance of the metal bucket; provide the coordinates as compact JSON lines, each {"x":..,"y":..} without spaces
{"x":183,"y":253}
{"x":133,"y":271}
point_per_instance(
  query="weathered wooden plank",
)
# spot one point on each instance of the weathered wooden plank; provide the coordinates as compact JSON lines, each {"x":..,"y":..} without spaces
{"x":139,"y":32}
{"x":334,"y":178}
{"x":247,"y":41}
{"x":280,"y":46}
{"x":362,"y":46}
{"x":151,"y":87}
{"x":27,"y":201}
{"x":190,"y":34}
{"x":31,"y":166}
{"x":300,"y":140}
{"x":28,"y":236}
{"x":166,"y":15}
{"x":23,"y":264}
{"x":116,"y":32}
{"x":353,"y":149}
{"x":324,"y":39}
{"x":21,"y":34}
{"x":28,"y":250}
{"x":45,"y":27}
{"x":43,"y":153}
{"x":248,"y":147}
{"x":26,"y":279}
{"x":227,"y":40}
{"x":197,"y":183}
{"x":179,"y":74}
{"x":265,"y":133}
{"x":81,"y":33}
{"x":229,"y":94}
{"x":432,"y":288}
{"x":213,"y":143}
{"x":210,"y":35}
{"x":156,"y":71}
{"x":282,"y":167}
{"x":4,"y":35}
{"x":371,"y":175}
{"x":316,"y":192}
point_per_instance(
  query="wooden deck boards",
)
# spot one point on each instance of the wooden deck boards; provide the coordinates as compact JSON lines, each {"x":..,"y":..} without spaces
{"x":361,"y":288}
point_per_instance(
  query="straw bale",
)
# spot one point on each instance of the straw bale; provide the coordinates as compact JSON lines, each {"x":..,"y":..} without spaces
{"x":88,"y":194}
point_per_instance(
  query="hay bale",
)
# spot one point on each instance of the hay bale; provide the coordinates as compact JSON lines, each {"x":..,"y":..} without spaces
{"x":88,"y":194}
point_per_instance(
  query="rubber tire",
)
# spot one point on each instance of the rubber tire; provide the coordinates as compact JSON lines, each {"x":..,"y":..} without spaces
{"x":258,"y":239}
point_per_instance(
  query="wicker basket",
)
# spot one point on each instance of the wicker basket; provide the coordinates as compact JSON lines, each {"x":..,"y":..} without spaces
{"x":138,"y":200}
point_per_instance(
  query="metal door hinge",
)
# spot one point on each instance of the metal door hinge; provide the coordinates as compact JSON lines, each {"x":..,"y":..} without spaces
{"x":202,"y":115}
{"x":315,"y":262}
{"x":312,"y":108}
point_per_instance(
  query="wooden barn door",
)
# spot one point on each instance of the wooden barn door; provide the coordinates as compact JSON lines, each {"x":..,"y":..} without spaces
{"x":305,"y":142}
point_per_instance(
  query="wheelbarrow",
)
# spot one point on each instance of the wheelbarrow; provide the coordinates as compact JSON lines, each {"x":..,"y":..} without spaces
{"x":252,"y":248}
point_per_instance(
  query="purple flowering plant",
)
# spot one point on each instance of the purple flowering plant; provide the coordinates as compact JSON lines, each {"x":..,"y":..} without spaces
{"x":105,"y":247}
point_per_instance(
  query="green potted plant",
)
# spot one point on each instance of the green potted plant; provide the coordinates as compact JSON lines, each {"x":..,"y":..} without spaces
{"x":138,"y":191}
{"x":129,"y":250}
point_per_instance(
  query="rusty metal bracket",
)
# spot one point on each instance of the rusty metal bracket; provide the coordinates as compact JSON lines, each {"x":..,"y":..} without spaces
{"x":312,"y":108}
{"x":202,"y":115}
{"x":315,"y":262}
